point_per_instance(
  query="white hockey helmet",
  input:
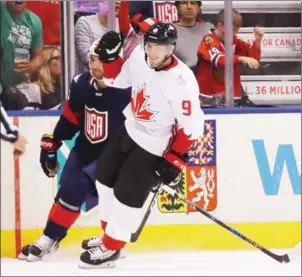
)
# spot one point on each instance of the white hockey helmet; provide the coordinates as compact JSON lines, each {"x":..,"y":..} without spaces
{"x":92,"y":52}
{"x":93,"y":47}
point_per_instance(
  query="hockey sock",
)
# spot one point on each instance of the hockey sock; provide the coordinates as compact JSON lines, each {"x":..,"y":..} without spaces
{"x":103,"y":225}
{"x":113,"y":244}
{"x":60,"y":219}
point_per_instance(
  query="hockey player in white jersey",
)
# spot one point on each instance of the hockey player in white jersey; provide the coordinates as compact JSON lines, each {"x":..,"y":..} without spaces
{"x":162,"y":121}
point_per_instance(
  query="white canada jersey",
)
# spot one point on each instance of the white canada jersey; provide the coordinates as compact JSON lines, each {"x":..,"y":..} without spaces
{"x":160,"y":101}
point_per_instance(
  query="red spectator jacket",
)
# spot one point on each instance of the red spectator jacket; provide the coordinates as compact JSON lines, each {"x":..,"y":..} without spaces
{"x":211,"y":62}
{"x":49,"y":13}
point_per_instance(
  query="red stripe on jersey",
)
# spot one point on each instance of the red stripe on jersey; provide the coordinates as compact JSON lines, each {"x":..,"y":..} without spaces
{"x":62,"y":216}
{"x":112,"y":244}
{"x":181,"y":142}
{"x":173,"y":64}
{"x":91,"y":79}
{"x":113,"y":69}
{"x":103,"y":225}
{"x":70,"y":115}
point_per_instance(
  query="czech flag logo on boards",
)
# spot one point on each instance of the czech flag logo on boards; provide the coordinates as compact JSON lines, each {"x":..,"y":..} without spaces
{"x":199,"y":181}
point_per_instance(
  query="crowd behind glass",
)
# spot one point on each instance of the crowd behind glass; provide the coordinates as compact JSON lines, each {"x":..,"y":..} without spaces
{"x":31,"y":57}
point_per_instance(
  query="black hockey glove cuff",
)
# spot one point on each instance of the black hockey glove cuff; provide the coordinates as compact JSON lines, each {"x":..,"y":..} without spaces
{"x":169,"y":168}
{"x":48,"y":155}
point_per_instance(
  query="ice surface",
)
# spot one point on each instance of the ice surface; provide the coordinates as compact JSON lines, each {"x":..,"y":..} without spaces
{"x":204,"y":263}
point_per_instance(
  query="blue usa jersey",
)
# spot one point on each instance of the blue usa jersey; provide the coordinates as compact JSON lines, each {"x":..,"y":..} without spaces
{"x":96,"y":113}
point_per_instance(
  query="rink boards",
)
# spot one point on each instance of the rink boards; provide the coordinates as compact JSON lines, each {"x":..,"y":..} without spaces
{"x":249,"y":170}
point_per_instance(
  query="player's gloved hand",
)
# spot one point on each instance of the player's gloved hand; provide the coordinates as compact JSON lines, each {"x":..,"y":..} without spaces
{"x":169,"y":168}
{"x":110,"y":46}
{"x":48,"y":155}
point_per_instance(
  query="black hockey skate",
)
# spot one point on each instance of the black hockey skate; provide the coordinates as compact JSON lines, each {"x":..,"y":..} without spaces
{"x":99,"y":257}
{"x":24,"y":252}
{"x":92,"y":242}
{"x":44,"y":246}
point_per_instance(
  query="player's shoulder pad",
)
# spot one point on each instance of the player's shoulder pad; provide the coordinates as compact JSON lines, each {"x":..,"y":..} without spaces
{"x":79,"y":84}
{"x":76,"y":78}
{"x":184,"y":77}
{"x":79,"y":78}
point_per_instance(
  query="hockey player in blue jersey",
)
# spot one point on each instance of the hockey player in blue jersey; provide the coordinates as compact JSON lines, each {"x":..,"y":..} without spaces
{"x":95,"y":112}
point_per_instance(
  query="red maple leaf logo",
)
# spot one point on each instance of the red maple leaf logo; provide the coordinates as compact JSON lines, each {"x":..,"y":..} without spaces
{"x":139,"y":106}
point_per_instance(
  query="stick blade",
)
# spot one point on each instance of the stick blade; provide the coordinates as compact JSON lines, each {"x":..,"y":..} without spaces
{"x":134,"y":236}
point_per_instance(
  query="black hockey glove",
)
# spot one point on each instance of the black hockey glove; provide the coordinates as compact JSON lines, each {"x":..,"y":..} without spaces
{"x":48,"y":155}
{"x":110,"y":46}
{"x":169,"y":168}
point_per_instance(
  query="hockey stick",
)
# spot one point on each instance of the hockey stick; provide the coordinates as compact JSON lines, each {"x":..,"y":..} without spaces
{"x":135,"y":236}
{"x":286,"y":258}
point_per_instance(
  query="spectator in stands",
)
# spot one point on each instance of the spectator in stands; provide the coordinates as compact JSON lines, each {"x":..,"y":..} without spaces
{"x":45,"y":93}
{"x":49,"y":78}
{"x":145,"y":13}
{"x":133,"y":36}
{"x":49,"y":13}
{"x":211,"y":60}
{"x":87,"y":30}
{"x":87,"y":7}
{"x":164,"y":11}
{"x":3,"y":92}
{"x":21,"y":40}
{"x":189,"y":29}
{"x":135,"y":18}
{"x":9,"y":131}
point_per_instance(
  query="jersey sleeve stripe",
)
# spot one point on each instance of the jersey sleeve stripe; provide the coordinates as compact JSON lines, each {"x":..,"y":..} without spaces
{"x":70,"y":115}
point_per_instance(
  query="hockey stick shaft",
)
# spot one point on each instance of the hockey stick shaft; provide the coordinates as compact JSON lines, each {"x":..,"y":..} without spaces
{"x":280,"y":258}
{"x":135,"y":236}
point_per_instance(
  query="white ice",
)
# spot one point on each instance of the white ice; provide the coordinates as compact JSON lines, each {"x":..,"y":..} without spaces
{"x":205,"y":263}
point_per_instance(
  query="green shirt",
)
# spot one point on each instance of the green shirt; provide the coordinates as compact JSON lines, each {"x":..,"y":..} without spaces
{"x":21,"y":31}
